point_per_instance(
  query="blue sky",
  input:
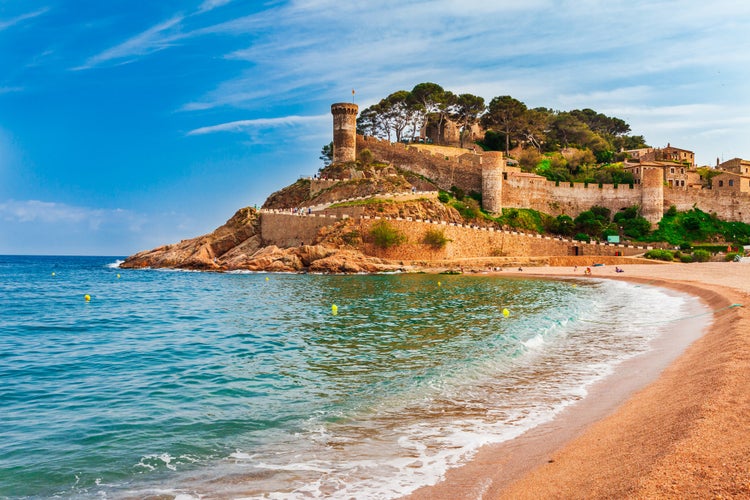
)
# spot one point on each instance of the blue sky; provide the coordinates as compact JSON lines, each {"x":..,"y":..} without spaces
{"x":127,"y":124}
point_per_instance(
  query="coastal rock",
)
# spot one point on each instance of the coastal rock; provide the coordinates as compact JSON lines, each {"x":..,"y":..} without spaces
{"x":204,"y":252}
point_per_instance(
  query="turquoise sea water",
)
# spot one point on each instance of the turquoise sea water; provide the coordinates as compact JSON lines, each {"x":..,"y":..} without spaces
{"x":198,"y":385}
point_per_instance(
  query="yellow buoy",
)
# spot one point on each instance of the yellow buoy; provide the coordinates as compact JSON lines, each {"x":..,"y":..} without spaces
{"x":266,"y":278}
{"x":440,"y":284}
{"x":506,"y":313}
{"x":53,"y":273}
{"x":118,"y":275}
{"x":334,"y":309}
{"x":87,"y":297}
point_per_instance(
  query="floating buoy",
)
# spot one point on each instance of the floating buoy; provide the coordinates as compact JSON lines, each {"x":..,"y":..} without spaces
{"x":266,"y":278}
{"x":334,"y":309}
{"x":118,"y":275}
{"x":87,"y":297}
{"x":506,"y":313}
{"x":440,"y":284}
{"x":53,"y":273}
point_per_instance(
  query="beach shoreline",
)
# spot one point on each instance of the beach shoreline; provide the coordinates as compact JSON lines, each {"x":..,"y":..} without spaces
{"x":678,"y":431}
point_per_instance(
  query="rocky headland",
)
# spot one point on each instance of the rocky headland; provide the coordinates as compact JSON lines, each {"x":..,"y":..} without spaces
{"x":239,"y":243}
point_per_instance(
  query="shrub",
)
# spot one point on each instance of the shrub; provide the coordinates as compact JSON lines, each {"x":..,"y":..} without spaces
{"x":701,"y":256}
{"x":443,"y":197}
{"x":732,"y":256}
{"x":351,"y":238}
{"x":366,"y":156}
{"x":582,"y":237}
{"x":686,"y":258}
{"x":671,"y":212}
{"x":685,"y":245}
{"x":385,"y":235}
{"x":435,"y":238}
{"x":659,"y":254}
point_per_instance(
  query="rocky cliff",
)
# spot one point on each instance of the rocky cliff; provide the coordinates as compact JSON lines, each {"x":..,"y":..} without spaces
{"x":237,"y":245}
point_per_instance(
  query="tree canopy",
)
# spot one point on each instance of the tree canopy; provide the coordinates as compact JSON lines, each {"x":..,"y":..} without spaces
{"x":508,"y":122}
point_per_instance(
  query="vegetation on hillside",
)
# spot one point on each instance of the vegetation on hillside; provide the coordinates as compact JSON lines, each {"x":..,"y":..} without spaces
{"x":684,"y":229}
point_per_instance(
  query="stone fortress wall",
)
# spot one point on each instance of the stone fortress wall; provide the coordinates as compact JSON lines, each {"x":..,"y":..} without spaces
{"x":481,"y":172}
{"x":286,"y":229}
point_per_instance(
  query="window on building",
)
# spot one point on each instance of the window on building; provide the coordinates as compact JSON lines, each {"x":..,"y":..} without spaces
{"x":731,"y":182}
{"x":671,"y":170}
{"x":721,"y":183}
{"x":682,"y":170}
{"x":682,"y":183}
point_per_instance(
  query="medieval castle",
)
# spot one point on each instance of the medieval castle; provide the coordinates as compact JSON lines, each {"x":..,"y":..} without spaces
{"x":663,"y":178}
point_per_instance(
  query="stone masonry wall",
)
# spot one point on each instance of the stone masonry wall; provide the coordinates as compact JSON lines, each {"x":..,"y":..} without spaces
{"x":464,"y":172}
{"x":732,"y":206}
{"x":286,"y":229}
{"x":537,"y":193}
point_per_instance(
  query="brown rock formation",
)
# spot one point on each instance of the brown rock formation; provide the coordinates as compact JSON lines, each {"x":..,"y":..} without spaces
{"x":239,"y":233}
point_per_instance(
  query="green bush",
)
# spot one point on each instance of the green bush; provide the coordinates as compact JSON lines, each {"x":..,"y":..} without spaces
{"x":732,"y":256}
{"x":385,"y":235}
{"x":443,"y":197}
{"x":582,"y":237}
{"x":435,"y":238}
{"x":701,"y":256}
{"x":686,"y":258}
{"x":660,"y":254}
{"x":685,"y":245}
{"x":351,"y":238}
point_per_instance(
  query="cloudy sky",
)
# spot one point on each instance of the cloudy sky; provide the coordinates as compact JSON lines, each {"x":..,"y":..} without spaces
{"x":125,"y":125}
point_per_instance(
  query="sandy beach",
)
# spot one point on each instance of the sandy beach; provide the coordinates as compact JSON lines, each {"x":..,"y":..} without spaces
{"x":657,"y":429}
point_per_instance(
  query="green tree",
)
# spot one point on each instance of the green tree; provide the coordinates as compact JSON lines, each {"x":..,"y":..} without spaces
{"x":507,"y":115}
{"x":326,"y":154}
{"x":431,"y":99}
{"x":466,"y":111}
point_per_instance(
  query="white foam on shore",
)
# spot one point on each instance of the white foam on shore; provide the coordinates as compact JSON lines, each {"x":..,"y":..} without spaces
{"x":412,"y":440}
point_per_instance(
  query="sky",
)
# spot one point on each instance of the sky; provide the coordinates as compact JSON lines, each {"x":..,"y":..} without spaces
{"x":125,"y":125}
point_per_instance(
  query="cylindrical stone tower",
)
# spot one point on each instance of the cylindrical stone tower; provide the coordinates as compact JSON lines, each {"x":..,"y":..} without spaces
{"x":652,"y":194}
{"x":344,"y":131}
{"x":492,"y":181}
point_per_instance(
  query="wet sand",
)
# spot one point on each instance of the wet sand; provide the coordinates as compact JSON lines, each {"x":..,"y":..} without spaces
{"x":675,"y":424}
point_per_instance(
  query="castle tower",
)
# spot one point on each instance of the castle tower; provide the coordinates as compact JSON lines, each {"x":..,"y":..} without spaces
{"x":344,"y":131}
{"x":493,"y":164}
{"x":652,"y":194}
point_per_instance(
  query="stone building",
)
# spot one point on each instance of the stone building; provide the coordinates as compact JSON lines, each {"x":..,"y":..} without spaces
{"x":674,"y":175}
{"x":731,"y":182}
{"x":669,"y":153}
{"x":735,"y":165}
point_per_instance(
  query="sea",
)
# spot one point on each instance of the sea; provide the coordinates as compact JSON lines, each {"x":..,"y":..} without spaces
{"x":194,"y":385}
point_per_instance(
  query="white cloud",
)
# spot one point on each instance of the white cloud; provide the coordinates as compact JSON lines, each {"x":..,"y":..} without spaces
{"x":243,"y":125}
{"x":212,"y":4}
{"x":23,"y":17}
{"x":156,"y":38}
{"x":32,"y":211}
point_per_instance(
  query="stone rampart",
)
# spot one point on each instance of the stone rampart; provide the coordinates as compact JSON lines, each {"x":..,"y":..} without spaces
{"x":537,"y":193}
{"x":286,"y":229}
{"x":732,"y":206}
{"x":464,"y":171}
